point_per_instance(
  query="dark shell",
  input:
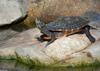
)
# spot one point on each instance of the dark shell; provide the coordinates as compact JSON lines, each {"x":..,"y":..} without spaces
{"x":67,"y":23}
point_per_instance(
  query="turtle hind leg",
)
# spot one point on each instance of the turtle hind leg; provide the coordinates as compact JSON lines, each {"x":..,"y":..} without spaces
{"x":88,"y":34}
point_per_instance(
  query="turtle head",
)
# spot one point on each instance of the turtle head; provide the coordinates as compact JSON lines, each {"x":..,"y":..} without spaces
{"x":40,"y":24}
{"x":42,"y":27}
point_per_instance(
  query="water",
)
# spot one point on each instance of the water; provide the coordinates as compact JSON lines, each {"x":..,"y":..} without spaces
{"x":15,"y":66}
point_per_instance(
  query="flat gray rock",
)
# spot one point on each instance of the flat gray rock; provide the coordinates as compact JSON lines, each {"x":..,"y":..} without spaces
{"x":6,"y":34}
{"x":12,"y":10}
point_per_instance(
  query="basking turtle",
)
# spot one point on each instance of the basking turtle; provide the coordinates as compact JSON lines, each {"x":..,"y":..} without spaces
{"x":64,"y":26}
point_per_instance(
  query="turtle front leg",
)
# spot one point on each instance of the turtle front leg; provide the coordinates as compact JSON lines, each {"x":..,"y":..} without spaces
{"x":88,"y":34}
{"x":53,"y":38}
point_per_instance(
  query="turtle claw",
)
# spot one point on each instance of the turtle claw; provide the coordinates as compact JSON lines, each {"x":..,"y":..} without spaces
{"x":40,"y":39}
{"x":50,"y":42}
{"x":52,"y":39}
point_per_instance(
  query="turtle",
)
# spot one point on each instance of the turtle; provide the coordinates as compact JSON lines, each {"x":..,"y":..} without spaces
{"x":64,"y":26}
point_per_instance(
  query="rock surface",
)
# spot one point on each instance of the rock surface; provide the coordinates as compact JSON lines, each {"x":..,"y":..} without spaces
{"x":94,"y":50}
{"x":12,"y":10}
{"x":9,"y":31}
{"x":34,"y":52}
{"x":6,"y":34}
{"x":83,"y":53}
{"x":72,"y":49}
{"x":67,"y":46}
{"x":19,"y":40}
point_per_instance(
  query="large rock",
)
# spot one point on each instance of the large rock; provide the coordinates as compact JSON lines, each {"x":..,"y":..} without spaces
{"x":67,"y":46}
{"x":72,"y":49}
{"x":12,"y":10}
{"x":7,"y":32}
{"x":88,"y":55}
{"x":69,"y":50}
{"x":34,"y":53}
{"x":23,"y":39}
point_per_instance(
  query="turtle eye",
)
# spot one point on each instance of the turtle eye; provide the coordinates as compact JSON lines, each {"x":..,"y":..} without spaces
{"x":42,"y":24}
